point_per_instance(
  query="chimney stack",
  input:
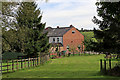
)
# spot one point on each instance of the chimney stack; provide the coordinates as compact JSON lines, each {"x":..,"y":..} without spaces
{"x":57,"y":26}
{"x":71,"y":25}
{"x":81,"y":29}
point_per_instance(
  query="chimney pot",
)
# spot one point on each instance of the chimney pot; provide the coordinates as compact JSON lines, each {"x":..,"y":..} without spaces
{"x":71,"y":25}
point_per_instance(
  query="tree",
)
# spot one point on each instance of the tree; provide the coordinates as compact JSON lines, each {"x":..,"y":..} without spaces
{"x":8,"y":20}
{"x":89,"y":41}
{"x":25,"y":30}
{"x":73,"y":49}
{"x":109,"y":33}
{"x":29,"y":19}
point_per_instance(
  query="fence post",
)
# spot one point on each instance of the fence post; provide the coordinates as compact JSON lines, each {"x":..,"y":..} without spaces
{"x":37,"y":60}
{"x":40,"y":60}
{"x":101,"y":65}
{"x":28,"y":61}
{"x":17,"y":64}
{"x":1,"y":66}
{"x":46,"y":58}
{"x":110,"y":63}
{"x":21,"y":64}
{"x":25,"y":63}
{"x":105,"y":65}
{"x":7,"y":65}
{"x":12,"y":65}
{"x":33,"y":61}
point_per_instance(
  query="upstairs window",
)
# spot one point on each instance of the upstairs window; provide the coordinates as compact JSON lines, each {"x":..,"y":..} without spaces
{"x":57,"y":40}
{"x":53,"y":39}
{"x":73,"y":31}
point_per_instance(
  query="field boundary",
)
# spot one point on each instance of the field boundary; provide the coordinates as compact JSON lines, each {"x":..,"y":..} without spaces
{"x":13,"y":65}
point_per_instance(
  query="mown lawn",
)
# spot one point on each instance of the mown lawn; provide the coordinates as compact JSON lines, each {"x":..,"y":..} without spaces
{"x":68,"y":67}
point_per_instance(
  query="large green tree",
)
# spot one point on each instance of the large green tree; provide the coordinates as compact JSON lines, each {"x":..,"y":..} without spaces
{"x":24,"y":33}
{"x":8,"y":19}
{"x":109,"y":32}
{"x":29,"y":20}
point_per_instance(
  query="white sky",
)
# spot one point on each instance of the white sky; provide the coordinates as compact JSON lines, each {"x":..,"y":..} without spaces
{"x":63,"y":13}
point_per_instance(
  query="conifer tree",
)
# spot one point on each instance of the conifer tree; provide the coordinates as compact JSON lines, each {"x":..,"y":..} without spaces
{"x":29,"y":20}
{"x":109,"y":33}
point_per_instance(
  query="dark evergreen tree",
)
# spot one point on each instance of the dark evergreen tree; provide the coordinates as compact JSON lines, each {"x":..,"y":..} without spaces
{"x":109,"y":33}
{"x":29,"y":20}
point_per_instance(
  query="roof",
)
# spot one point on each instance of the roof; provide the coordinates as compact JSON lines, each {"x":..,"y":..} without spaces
{"x":57,"y":32}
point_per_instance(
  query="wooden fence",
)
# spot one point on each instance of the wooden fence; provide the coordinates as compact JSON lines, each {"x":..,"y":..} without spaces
{"x":12,"y":65}
{"x":108,"y":64}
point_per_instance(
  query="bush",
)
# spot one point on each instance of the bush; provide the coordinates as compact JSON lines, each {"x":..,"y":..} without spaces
{"x":11,"y":55}
{"x":114,"y":71}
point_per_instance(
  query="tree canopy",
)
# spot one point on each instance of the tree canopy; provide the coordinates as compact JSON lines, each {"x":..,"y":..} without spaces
{"x":27,"y":34}
{"x":109,"y":33}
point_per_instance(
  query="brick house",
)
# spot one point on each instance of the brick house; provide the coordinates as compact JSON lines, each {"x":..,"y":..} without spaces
{"x":63,"y":37}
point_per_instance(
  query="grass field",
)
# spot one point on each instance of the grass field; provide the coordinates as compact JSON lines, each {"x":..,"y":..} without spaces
{"x":68,"y":67}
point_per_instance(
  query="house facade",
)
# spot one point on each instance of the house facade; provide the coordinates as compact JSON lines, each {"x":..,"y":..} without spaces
{"x":64,"y":38}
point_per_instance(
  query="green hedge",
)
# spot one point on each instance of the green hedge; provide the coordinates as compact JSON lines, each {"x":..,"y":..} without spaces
{"x":11,"y":55}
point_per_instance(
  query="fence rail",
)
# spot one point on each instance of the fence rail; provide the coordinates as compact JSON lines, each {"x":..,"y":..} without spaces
{"x":12,"y":65}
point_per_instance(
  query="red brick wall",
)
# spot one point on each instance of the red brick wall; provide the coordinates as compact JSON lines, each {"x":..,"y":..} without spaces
{"x":73,"y":39}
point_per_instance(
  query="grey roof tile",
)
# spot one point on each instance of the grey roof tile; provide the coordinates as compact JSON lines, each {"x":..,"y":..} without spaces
{"x":56,"y":32}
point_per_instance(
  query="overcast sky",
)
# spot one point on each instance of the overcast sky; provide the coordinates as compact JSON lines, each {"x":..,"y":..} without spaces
{"x":63,"y":13}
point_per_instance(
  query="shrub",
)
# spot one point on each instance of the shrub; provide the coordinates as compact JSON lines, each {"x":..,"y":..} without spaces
{"x":114,"y":71}
{"x":11,"y":55}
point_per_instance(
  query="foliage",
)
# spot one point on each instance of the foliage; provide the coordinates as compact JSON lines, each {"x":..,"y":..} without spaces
{"x":89,"y":41}
{"x":8,"y":20}
{"x":27,"y":32}
{"x":72,"y":49}
{"x":88,"y":35}
{"x":8,"y":11}
{"x":109,"y":33}
{"x":114,"y":71}
{"x":11,"y":55}
{"x":30,"y":17}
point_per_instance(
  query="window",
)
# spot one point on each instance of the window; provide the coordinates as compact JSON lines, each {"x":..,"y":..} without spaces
{"x":53,"y":39}
{"x":73,"y":31}
{"x":57,"y":40}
